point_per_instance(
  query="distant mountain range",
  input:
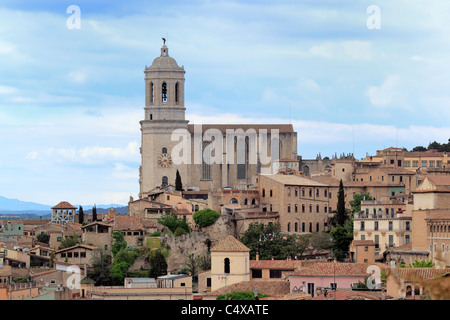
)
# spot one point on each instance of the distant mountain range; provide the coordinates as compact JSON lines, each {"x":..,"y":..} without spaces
{"x":18,"y":207}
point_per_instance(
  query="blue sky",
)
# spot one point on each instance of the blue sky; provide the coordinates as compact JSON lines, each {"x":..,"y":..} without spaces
{"x":71,"y":99}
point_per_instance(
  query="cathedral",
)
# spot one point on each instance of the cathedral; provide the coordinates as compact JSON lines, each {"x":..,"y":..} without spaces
{"x":207,"y":156}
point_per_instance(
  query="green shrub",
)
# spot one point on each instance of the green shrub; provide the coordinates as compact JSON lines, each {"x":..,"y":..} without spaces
{"x":155,"y":234}
{"x":205,"y":217}
{"x":179,"y":231}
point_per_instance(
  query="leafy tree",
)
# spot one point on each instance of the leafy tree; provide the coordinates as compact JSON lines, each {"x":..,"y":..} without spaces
{"x":178,"y":183}
{"x":342,"y":236}
{"x":119,"y":243}
{"x":100,"y":272}
{"x":158,"y":264}
{"x":80,"y":215}
{"x":122,"y":261}
{"x":205,"y":217}
{"x":419,"y":264}
{"x":356,"y":202}
{"x":43,"y":237}
{"x":70,"y":242}
{"x":268,"y":242}
{"x":172,"y":222}
{"x":192,"y":264}
{"x":179,"y":231}
{"x":94,"y":213}
{"x":320,"y":241}
{"x":419,"y":148}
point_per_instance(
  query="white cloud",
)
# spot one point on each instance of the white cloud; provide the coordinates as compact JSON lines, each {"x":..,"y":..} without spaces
{"x":7,"y":90}
{"x":383,"y":95}
{"x":87,"y":155}
{"x":355,"y":50}
{"x":77,"y":77}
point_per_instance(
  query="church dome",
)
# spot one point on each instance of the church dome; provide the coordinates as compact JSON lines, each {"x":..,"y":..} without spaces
{"x":164,"y":62}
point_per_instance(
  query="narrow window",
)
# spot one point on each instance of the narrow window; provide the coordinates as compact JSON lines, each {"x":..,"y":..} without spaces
{"x":164,"y":93}
{"x":226,"y":267}
{"x":176,"y":93}
{"x":165,"y":181}
{"x":152,"y":92}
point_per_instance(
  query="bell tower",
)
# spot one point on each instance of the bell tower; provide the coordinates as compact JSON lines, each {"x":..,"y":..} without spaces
{"x":164,"y":112}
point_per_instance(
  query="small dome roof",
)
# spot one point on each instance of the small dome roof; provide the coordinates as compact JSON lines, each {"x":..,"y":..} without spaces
{"x":164,"y":62}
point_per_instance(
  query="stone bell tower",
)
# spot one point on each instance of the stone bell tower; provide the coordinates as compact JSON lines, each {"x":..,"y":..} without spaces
{"x":164,"y":113}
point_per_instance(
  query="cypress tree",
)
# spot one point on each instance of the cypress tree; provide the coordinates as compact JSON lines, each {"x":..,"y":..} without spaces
{"x":80,"y":215}
{"x":178,"y":183}
{"x":94,"y":213}
{"x":341,"y":211}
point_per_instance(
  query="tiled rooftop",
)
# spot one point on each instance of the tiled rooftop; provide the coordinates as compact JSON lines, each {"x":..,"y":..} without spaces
{"x":230,"y":244}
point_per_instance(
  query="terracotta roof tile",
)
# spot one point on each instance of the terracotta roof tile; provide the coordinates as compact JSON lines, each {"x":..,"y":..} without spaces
{"x":131,"y":223}
{"x":329,"y":269}
{"x":348,"y":294}
{"x":230,"y":244}
{"x":416,"y":274}
{"x":64,"y":205}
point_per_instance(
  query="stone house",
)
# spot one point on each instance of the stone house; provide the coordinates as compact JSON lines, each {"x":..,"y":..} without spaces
{"x":409,"y":283}
{"x":303,"y":205}
{"x":330,"y":275}
{"x":362,"y":251}
{"x":80,"y":254}
{"x":98,"y":234}
{"x":133,"y":228}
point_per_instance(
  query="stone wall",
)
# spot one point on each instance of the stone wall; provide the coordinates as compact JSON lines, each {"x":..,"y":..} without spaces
{"x":198,"y":242}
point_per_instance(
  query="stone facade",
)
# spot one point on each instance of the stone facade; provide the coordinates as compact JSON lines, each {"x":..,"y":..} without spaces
{"x":212,"y":152}
{"x":302,"y":204}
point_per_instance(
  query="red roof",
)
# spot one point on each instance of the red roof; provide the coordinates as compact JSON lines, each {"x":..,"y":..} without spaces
{"x":330,"y":269}
{"x":64,"y":205}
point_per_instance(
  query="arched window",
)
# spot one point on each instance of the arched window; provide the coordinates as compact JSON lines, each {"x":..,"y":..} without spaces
{"x":152,"y":93}
{"x":409,"y":291}
{"x":317,"y":227}
{"x":310,"y":227}
{"x":165,"y":181}
{"x":303,"y":227}
{"x":296,"y":208}
{"x":289,"y":208}
{"x":176,"y":92}
{"x":253,"y":201}
{"x":246,"y":201}
{"x":164,"y":150}
{"x":233,"y":200}
{"x":289,"y":227}
{"x":196,"y":208}
{"x":226,"y":265}
{"x":164,"y":93}
{"x":263,"y":193}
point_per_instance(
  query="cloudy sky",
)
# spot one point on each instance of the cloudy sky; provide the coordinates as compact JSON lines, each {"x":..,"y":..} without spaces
{"x":71,"y":99}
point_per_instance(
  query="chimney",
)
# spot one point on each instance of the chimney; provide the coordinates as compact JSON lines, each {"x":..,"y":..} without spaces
{"x":257,"y":257}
